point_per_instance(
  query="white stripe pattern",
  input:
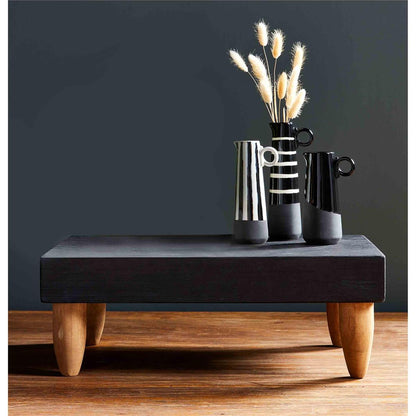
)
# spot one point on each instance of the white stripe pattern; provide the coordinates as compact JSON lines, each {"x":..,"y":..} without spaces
{"x":255,"y":213}
{"x":283,"y":152}
{"x":284,"y":175}
{"x":237,"y":189}
{"x":245,"y":182}
{"x":286,"y":163}
{"x":283,"y":138}
{"x":250,"y":192}
{"x":284,"y":191}
{"x":262,"y":195}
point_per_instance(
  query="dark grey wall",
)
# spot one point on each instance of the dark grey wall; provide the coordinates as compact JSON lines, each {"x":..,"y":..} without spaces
{"x":123,"y":115}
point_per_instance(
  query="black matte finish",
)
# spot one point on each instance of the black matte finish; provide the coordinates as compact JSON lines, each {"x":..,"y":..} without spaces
{"x":284,"y":222}
{"x":210,"y":269}
{"x":250,"y":232}
{"x":320,"y":226}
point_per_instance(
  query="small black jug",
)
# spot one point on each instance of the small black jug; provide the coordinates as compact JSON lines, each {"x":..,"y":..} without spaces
{"x":321,"y":217}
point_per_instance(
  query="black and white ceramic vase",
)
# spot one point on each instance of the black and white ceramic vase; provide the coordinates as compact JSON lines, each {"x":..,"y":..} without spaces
{"x":250,"y":220}
{"x":321,"y":217}
{"x":284,"y":207}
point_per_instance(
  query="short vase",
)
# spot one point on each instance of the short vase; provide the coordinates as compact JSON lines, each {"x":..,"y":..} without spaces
{"x":321,"y":217}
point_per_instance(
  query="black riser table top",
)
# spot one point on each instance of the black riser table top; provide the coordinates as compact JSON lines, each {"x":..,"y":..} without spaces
{"x":111,"y":269}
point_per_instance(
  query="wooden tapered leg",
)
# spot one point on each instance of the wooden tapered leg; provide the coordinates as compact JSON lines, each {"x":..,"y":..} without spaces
{"x":69,"y":335}
{"x":332,"y":317}
{"x":95,"y":322}
{"x":357,"y":327}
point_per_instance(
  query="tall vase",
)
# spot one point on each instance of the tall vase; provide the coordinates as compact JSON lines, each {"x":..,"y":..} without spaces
{"x":250,"y":221}
{"x":284,"y":207}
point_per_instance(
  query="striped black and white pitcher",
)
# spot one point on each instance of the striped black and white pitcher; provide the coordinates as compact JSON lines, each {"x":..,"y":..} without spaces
{"x":284,"y":205}
{"x":250,"y":220}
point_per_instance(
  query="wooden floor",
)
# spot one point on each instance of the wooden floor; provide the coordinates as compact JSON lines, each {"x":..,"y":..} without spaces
{"x":207,"y":363}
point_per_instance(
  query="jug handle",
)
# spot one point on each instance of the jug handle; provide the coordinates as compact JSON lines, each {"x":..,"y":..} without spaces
{"x":339,"y":171}
{"x":310,"y":134}
{"x":264,"y":161}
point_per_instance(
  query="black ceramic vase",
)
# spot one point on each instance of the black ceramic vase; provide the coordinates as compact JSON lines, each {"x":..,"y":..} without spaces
{"x":321,"y":217}
{"x":284,"y":207}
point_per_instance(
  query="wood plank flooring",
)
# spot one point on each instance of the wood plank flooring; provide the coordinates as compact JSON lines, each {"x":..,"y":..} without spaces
{"x":207,"y":363}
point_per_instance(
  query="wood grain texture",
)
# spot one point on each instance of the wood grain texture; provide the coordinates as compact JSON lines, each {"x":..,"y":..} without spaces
{"x":95,"y":322}
{"x":332,"y":317}
{"x":210,"y":269}
{"x":356,"y":323}
{"x":69,"y":336}
{"x":207,"y":363}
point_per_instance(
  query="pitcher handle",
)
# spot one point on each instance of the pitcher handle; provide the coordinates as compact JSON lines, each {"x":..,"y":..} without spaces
{"x":310,"y":134}
{"x":264,"y":161}
{"x":339,"y":171}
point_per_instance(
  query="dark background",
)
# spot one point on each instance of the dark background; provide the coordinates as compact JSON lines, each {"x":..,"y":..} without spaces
{"x":123,"y":116}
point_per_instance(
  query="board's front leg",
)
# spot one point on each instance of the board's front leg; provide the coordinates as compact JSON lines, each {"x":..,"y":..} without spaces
{"x":95,"y":322}
{"x":357,"y":329}
{"x":69,"y":336}
{"x":332,"y":317}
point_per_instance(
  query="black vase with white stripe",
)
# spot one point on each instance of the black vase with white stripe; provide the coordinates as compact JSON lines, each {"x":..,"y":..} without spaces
{"x":284,"y":206}
{"x":250,"y":220}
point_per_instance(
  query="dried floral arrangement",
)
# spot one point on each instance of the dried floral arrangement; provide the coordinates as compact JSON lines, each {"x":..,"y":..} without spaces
{"x":272,"y":90}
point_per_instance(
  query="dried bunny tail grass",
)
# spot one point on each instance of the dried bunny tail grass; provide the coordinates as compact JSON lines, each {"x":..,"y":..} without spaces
{"x":238,"y":60}
{"x":278,"y":40}
{"x":262,"y":31}
{"x":257,"y":66}
{"x":276,"y":49}
{"x":282,"y":85}
{"x":298,"y":54}
{"x":292,"y":86}
{"x":266,"y":92}
{"x":296,"y":107}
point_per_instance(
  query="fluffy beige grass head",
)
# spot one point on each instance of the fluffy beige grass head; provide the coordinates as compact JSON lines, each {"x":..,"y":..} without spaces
{"x":257,"y":66}
{"x":296,"y":107}
{"x":278,"y":40}
{"x":298,"y":54}
{"x":262,"y":32}
{"x":282,"y":85}
{"x":265,"y":88}
{"x":238,"y":60}
{"x":292,"y":86}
